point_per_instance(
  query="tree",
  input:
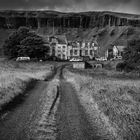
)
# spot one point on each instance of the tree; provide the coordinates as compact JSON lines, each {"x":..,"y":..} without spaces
{"x":11,"y":44}
{"x":25,"y":43}
{"x":131,"y":54}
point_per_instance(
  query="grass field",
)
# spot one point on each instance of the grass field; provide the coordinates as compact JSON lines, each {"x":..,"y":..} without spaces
{"x":15,"y":77}
{"x":113,"y":104}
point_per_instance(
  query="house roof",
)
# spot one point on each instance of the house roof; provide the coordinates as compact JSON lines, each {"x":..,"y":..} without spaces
{"x":120,"y":48}
{"x":61,"y":39}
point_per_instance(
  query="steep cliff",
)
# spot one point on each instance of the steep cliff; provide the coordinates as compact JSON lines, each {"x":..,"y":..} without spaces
{"x":37,"y":19}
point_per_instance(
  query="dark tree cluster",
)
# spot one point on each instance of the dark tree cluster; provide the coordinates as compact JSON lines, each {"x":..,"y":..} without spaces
{"x":23,"y":42}
{"x":132,"y":52}
{"x":131,"y":56}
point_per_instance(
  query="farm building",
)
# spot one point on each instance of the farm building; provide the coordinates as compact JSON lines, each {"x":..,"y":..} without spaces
{"x":81,"y":65}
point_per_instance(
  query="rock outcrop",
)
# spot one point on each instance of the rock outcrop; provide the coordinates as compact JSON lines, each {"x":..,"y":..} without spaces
{"x":38,"y":19}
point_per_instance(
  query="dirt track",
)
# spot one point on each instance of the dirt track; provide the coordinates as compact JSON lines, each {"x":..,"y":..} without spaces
{"x":71,"y":121}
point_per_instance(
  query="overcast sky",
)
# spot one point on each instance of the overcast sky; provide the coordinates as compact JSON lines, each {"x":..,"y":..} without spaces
{"x":129,"y":6}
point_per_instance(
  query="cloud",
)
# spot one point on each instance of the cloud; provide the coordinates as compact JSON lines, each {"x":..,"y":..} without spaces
{"x":130,"y":6}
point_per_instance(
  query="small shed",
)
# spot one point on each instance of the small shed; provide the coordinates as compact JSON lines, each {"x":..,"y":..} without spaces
{"x":79,"y":65}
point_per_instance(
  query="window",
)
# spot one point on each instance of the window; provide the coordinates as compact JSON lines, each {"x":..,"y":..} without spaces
{"x":59,"y":55}
{"x":86,"y":52}
{"x":91,"y":52}
{"x":63,"y":56}
{"x":75,"y":52}
{"x":71,"y":52}
{"x":64,"y":47}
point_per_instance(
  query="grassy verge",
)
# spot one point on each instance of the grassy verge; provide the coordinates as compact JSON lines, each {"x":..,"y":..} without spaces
{"x":113,"y":104}
{"x":14,"y":78}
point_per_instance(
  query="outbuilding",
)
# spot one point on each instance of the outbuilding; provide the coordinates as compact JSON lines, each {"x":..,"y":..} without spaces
{"x":79,"y":65}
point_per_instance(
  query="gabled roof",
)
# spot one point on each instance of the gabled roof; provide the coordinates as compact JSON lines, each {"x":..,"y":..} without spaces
{"x":120,"y":48}
{"x":61,"y":39}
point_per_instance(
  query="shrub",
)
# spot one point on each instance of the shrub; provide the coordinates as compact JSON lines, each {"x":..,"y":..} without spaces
{"x":112,"y":32}
{"x":130,"y":31}
{"x":125,"y":67}
{"x":120,"y":66}
{"x":102,"y":32}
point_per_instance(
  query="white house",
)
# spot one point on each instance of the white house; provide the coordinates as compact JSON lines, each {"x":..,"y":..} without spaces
{"x":115,"y":51}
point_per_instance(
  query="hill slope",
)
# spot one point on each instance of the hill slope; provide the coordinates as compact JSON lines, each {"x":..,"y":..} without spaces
{"x":106,"y":27}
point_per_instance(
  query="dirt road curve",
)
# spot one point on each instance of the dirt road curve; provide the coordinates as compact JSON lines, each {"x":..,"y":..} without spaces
{"x":71,"y":120}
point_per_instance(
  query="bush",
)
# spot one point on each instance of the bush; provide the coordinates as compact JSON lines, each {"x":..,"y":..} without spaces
{"x":102,"y":32}
{"x":129,"y":68}
{"x":112,"y":32}
{"x":130,"y":31}
{"x":125,"y":67}
{"x":120,"y":66}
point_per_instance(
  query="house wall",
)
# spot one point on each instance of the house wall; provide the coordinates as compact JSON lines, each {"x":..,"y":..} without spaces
{"x":115,"y":51}
{"x":83,"y":49}
{"x":61,"y":51}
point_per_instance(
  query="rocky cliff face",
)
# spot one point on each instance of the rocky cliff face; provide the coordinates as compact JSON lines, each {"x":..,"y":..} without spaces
{"x":37,"y":19}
